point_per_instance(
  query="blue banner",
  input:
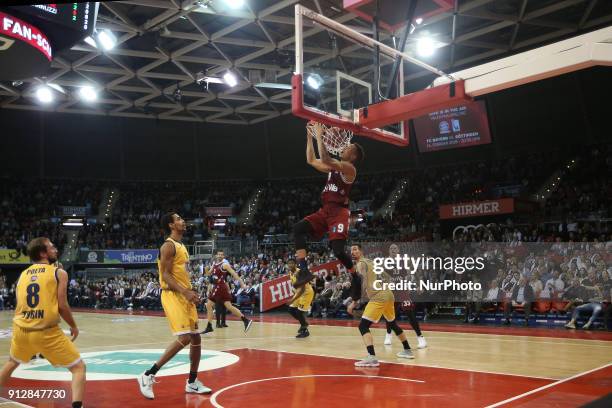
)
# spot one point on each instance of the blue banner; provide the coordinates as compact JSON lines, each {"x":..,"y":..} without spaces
{"x":134,"y":256}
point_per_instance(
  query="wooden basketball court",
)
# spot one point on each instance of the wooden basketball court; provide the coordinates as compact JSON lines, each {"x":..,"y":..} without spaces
{"x":463,"y":366}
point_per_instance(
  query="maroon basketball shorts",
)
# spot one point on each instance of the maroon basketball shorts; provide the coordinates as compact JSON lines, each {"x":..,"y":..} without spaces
{"x":333,"y":219}
{"x":220,"y":293}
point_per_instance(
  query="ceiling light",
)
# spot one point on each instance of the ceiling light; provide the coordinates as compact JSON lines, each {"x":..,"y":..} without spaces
{"x":419,"y":20}
{"x":314,"y":81}
{"x":230,"y":79}
{"x":57,"y":88}
{"x":89,"y":40}
{"x":425,"y":47}
{"x":44,"y":94}
{"x":273,"y":85}
{"x":235,"y":3}
{"x":88,"y":93}
{"x":107,"y":39}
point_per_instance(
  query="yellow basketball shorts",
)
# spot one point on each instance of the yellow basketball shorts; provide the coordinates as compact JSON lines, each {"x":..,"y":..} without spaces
{"x":304,"y":302}
{"x":182,"y":315}
{"x":52,"y":343}
{"x":374,"y":310}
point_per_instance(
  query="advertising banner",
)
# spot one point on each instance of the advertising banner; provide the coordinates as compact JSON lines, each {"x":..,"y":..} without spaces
{"x":275,"y":293}
{"x":73,"y":211}
{"x":477,"y":208}
{"x":91,"y":256}
{"x":134,"y":256}
{"x":13,"y":256}
{"x":219,"y":211}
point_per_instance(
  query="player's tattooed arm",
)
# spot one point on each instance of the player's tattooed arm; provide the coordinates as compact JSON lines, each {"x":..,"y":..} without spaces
{"x":167,"y":252}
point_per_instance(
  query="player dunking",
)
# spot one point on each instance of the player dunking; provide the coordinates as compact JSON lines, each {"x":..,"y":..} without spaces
{"x":220,"y":291}
{"x":334,"y":215}
{"x":178,"y":300}
{"x":41,"y":300}
{"x":396,"y":275}
{"x":380,"y":303}
{"x":300,"y":304}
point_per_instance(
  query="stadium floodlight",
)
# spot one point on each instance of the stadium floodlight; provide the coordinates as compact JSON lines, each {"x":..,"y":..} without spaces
{"x":235,"y":3}
{"x":314,"y":81}
{"x":419,"y":20}
{"x":107,"y":39}
{"x":89,"y":40}
{"x":426,"y":47}
{"x":88,"y":93}
{"x":44,"y":94}
{"x":230,"y":79}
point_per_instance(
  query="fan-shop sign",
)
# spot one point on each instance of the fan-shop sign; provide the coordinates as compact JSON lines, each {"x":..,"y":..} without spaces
{"x":26,"y":32}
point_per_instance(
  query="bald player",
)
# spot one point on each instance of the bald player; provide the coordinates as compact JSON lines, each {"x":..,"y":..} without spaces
{"x":381,"y":303}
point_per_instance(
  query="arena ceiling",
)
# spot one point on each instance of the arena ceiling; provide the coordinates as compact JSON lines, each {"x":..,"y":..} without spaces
{"x":162,"y":45}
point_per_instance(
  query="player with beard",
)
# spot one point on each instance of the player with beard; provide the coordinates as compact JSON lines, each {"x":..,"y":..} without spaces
{"x":220,"y":293}
{"x":41,"y":299}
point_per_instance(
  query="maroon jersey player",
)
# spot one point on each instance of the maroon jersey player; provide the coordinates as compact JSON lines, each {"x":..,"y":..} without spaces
{"x":334,"y":215}
{"x":220,"y":293}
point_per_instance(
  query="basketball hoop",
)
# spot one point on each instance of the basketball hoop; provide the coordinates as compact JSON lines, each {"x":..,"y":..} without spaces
{"x":334,"y":138}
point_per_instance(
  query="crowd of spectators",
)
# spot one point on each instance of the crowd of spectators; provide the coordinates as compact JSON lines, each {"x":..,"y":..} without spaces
{"x":29,"y":209}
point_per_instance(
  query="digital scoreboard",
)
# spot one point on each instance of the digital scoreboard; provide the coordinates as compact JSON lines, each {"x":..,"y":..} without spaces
{"x":31,"y":36}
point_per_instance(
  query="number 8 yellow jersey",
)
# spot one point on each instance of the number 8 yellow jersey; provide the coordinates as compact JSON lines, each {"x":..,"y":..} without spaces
{"x":37,"y":307}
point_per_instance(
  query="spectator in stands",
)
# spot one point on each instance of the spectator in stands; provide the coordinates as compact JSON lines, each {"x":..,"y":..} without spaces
{"x":522,"y":296}
{"x":555,"y":283}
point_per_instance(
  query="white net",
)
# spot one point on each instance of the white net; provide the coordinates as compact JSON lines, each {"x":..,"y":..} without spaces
{"x":335,"y":139}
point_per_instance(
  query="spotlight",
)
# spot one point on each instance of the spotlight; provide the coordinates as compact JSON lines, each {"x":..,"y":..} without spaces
{"x":44,"y":94}
{"x":419,"y":20}
{"x":89,"y":40}
{"x":230,"y":79}
{"x":314,"y":81}
{"x":107,"y":39}
{"x":88,"y":93}
{"x":425,"y":47}
{"x":204,"y":3}
{"x":235,"y":3}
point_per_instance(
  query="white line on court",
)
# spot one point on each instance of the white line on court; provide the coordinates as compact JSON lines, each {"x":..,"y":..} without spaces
{"x":213,"y":398}
{"x":412,"y":365}
{"x":497,"y":404}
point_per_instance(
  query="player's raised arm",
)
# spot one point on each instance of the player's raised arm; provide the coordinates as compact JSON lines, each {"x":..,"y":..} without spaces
{"x":311,"y":157}
{"x":342,"y":166}
{"x":62,"y":302}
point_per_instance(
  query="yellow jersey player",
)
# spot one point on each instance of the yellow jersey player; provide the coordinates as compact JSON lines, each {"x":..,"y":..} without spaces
{"x":179,"y":303}
{"x":380,"y":303}
{"x":41,"y":300}
{"x":301,"y":300}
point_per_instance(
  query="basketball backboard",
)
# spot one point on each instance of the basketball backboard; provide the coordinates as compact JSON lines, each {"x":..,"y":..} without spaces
{"x":342,"y":74}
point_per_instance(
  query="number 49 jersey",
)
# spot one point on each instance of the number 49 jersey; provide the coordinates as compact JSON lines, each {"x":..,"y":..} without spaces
{"x":37,"y":306}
